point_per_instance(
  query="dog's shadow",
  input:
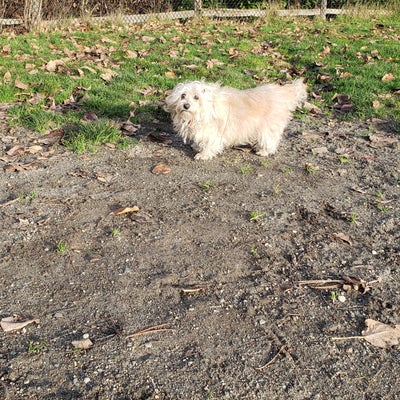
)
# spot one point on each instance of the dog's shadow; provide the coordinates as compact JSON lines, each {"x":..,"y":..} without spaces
{"x":162,"y":132}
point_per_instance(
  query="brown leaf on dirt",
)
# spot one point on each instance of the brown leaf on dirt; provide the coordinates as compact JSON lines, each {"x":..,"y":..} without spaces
{"x":104,"y":178}
{"x":20,"y":167}
{"x":83,"y":344}
{"x":358,"y":284}
{"x":381,"y":335}
{"x":342,"y":236}
{"x":124,"y":210}
{"x":162,"y":138}
{"x":16,"y":150}
{"x":382,"y":139}
{"x":16,"y":322}
{"x":161,"y":169}
{"x":33,"y":149}
{"x":129,"y":129}
{"x":319,"y":150}
{"x":52,"y":137}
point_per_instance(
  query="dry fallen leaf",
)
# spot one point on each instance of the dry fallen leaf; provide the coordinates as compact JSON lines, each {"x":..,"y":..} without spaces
{"x":124,"y":210}
{"x":382,"y":139}
{"x":20,"y":85}
{"x":18,"y":149}
{"x":319,"y":150}
{"x":33,"y":149}
{"x":342,"y":236}
{"x":52,"y":137}
{"x":108,"y":75}
{"x":161,"y":169}
{"x":381,"y":335}
{"x":388,"y":77}
{"x":52,"y":65}
{"x":83,"y":344}
{"x":20,"y":167}
{"x":131,"y":54}
{"x":90,"y":116}
{"x":7,"y":76}
{"x":16,"y":322}
{"x":376,"y":104}
{"x":170,"y":74}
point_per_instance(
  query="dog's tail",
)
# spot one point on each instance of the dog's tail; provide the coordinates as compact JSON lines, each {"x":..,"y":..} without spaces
{"x":296,"y":93}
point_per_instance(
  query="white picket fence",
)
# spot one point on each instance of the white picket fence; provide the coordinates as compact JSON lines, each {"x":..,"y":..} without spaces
{"x":33,"y":14}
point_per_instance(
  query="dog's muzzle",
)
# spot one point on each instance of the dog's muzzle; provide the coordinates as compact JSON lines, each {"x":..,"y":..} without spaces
{"x":186,"y":106}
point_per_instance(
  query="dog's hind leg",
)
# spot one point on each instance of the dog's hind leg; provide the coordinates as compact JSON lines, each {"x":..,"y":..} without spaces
{"x":268,"y":141}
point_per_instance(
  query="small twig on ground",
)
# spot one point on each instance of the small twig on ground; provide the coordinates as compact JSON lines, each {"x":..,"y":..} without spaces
{"x":152,"y":329}
{"x":346,"y":283}
{"x":272,"y":360}
{"x":192,"y":290}
{"x":7,"y":203}
{"x":348,"y":337}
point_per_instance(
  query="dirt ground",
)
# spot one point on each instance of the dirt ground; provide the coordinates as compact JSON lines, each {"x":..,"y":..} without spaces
{"x":212,"y":262}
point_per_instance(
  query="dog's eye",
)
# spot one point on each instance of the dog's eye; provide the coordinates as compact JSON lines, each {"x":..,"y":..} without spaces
{"x":183,"y":95}
{"x":196,"y":97}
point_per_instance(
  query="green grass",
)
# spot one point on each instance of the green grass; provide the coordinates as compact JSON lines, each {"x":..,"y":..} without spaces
{"x":245,"y":169}
{"x":256,"y":215}
{"x":111,"y":69}
{"x":62,"y":246}
{"x":115,"y":232}
{"x":37,"y":347}
{"x":207,"y":185}
{"x":87,"y":136}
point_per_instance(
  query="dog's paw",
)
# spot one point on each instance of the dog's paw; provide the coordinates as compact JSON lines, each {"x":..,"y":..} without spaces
{"x":203,"y":156}
{"x":264,"y":153}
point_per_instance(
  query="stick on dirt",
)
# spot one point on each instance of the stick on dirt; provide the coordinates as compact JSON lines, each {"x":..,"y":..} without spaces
{"x":152,"y":329}
{"x":272,"y":360}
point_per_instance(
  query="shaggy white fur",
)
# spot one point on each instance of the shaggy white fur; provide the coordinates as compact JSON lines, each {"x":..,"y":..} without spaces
{"x":212,"y":117}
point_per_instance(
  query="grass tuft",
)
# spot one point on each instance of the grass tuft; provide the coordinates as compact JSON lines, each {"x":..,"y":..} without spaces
{"x":87,"y":136}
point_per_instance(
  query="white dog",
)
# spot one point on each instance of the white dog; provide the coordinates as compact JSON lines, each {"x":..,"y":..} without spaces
{"x":212,"y":117}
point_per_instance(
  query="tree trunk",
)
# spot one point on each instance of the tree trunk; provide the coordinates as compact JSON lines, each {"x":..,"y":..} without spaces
{"x":32,"y":13}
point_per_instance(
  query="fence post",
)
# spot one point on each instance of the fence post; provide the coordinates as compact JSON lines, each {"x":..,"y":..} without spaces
{"x":198,"y":6}
{"x":32,"y":13}
{"x":323,"y":7}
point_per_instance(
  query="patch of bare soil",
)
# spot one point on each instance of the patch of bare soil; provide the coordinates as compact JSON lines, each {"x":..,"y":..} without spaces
{"x":199,"y":293}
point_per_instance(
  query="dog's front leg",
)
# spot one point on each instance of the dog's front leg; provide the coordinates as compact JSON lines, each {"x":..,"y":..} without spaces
{"x":209,"y":147}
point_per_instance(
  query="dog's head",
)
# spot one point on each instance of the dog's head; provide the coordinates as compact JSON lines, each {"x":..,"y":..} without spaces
{"x":188,"y":100}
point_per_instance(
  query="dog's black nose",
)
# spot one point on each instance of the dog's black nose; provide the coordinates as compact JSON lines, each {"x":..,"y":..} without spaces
{"x":186,"y":106}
